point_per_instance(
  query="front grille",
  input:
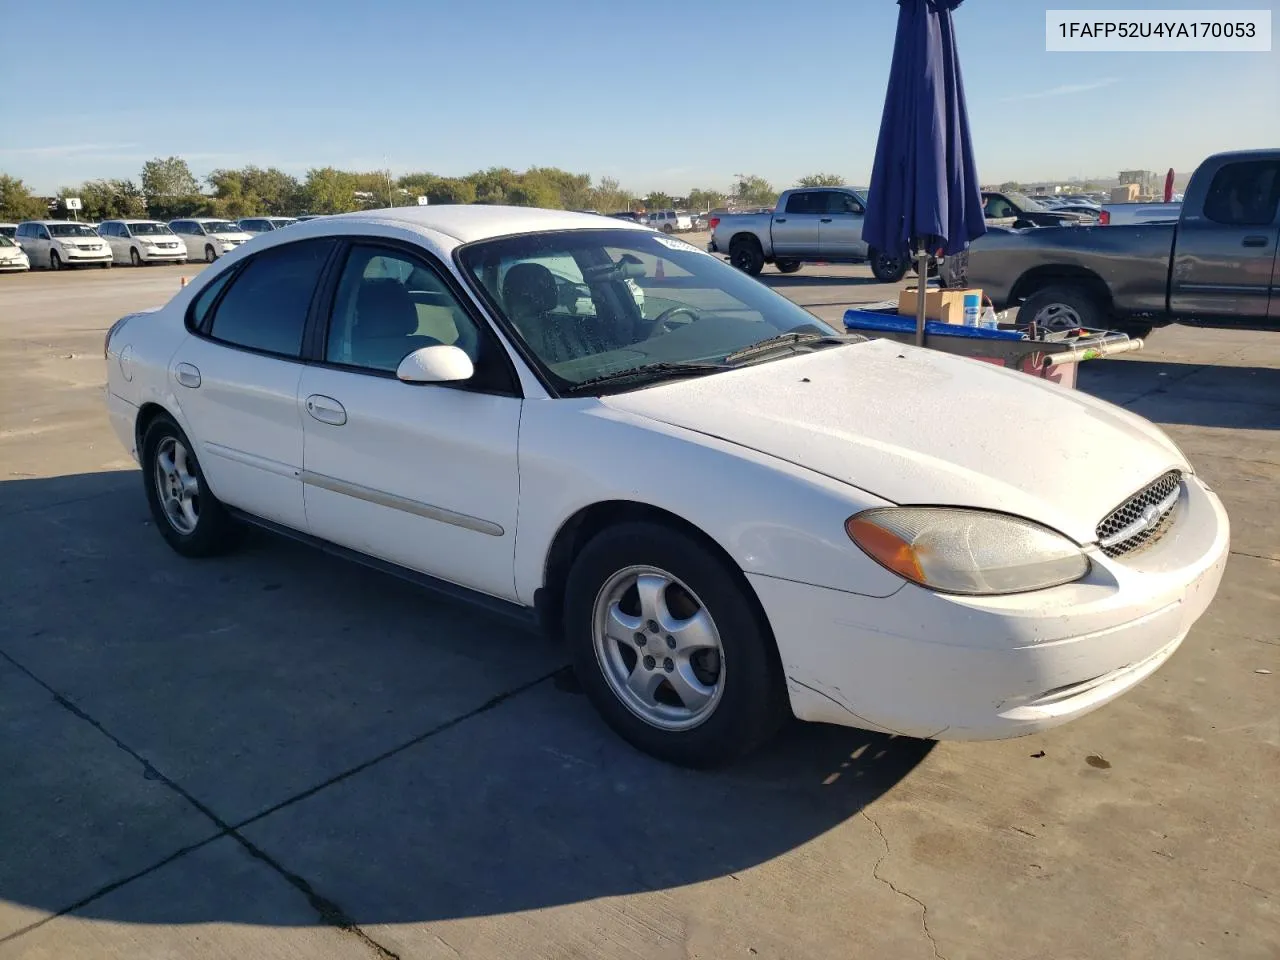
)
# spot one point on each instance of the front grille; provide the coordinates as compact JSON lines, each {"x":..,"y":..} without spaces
{"x":1148,"y":514}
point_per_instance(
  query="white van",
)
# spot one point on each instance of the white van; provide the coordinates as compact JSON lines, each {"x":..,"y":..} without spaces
{"x":62,"y":243}
{"x":208,"y":238}
{"x":142,"y":241}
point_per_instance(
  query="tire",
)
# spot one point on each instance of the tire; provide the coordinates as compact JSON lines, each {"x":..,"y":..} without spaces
{"x":105,"y":265}
{"x":746,"y":255}
{"x":207,"y":529}
{"x":210,"y":254}
{"x":1062,"y":307}
{"x":134,"y":258}
{"x":736,"y":681}
{"x":667,"y":228}
{"x":787,"y":266}
{"x":55,"y":261}
{"x":887,"y":269}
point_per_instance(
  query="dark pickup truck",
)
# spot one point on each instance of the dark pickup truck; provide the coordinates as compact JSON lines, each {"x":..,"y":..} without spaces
{"x":1214,"y":265}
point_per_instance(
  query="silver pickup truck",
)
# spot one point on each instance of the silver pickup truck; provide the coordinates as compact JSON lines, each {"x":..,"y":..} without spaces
{"x":808,"y":224}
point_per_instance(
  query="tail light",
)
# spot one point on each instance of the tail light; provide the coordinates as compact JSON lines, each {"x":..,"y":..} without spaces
{"x":106,"y":341}
{"x":1104,"y":217}
{"x":713,"y":222}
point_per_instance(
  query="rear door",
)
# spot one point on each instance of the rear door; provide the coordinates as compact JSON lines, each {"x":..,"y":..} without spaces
{"x":1224,"y":266}
{"x":840,"y":228}
{"x":795,"y":228}
{"x":236,"y":378}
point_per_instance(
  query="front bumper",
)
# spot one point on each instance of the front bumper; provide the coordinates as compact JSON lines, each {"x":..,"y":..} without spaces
{"x":173,"y":253}
{"x":14,"y":266}
{"x":86,"y":256}
{"x":927,"y":665}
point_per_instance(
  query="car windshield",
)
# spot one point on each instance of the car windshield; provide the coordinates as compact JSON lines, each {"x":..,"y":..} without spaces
{"x":282,"y":222}
{"x":148,"y":229}
{"x":598,"y":303}
{"x":6,"y":242}
{"x":221,"y":226}
{"x":71,"y":230}
{"x":1022,"y":201}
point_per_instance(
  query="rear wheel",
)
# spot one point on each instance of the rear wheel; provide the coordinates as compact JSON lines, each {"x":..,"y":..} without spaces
{"x":746,"y":255}
{"x":1062,"y":307}
{"x":667,"y":643}
{"x":887,"y":269}
{"x":787,"y":266}
{"x":187,"y":514}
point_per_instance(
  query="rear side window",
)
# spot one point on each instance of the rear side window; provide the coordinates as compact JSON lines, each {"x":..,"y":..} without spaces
{"x":803,"y":203}
{"x":266,"y":306}
{"x":1244,"y":194}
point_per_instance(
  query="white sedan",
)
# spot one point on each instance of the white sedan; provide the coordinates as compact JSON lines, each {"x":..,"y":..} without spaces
{"x":12,"y":257}
{"x":730,"y":511}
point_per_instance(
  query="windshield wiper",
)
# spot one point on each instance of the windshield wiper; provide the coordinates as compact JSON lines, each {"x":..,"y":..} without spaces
{"x":649,"y":371}
{"x":787,"y":340}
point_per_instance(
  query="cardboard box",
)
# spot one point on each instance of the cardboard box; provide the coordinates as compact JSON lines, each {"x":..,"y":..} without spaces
{"x":946,"y":306}
{"x":1128,"y":193}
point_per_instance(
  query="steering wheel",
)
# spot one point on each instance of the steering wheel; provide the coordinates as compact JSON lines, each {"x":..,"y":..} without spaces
{"x":664,"y":322}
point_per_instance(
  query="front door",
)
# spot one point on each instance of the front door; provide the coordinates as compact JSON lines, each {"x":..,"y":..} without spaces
{"x":1225,"y":257}
{"x":840,"y":228}
{"x":420,"y":475}
{"x":236,"y":379}
{"x":795,"y":229}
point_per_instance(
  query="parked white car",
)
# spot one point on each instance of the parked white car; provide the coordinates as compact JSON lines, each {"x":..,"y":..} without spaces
{"x":730,"y":510}
{"x":668,"y":221}
{"x":9,"y":230}
{"x":62,"y":243}
{"x":208,"y":238}
{"x":256,"y":225}
{"x":142,"y":241}
{"x":12,"y":259}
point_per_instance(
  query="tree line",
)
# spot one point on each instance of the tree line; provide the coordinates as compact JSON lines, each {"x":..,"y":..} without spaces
{"x":166,"y":189}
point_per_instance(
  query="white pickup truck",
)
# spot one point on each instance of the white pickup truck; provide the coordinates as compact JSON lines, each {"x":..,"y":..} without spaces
{"x":808,"y":224}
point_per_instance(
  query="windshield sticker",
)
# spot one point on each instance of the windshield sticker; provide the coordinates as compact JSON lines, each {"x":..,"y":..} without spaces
{"x":672,"y":244}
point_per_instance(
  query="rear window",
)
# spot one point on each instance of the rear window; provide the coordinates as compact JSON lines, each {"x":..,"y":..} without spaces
{"x":266,"y":306}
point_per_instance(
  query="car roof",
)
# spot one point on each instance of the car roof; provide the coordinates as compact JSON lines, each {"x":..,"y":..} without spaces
{"x":81,"y":223}
{"x":469,"y":222}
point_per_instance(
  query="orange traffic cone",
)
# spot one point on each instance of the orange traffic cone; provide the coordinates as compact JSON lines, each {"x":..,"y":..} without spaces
{"x":183,"y":283}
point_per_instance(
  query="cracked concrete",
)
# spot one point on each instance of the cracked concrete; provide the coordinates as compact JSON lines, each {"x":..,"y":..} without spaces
{"x":278,"y":755}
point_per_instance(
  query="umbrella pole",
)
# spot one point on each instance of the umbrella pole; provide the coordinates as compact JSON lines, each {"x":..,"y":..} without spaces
{"x":922,"y":284}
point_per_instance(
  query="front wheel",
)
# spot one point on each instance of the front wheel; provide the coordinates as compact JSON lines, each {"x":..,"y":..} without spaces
{"x":55,"y":261}
{"x":187,"y":514}
{"x":887,"y":269}
{"x":668,"y":644}
{"x":134,"y":258}
{"x":105,"y":265}
{"x":210,"y":254}
{"x":667,"y":228}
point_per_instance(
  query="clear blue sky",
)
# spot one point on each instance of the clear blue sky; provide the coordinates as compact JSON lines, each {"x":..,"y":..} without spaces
{"x":778,"y":89}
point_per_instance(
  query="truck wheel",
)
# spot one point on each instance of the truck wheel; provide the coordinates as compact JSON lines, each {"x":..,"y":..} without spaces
{"x":1062,"y":308}
{"x":746,"y":255}
{"x":887,"y":269}
{"x":787,"y":266}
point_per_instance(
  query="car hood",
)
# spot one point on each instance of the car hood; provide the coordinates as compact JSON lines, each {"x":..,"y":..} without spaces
{"x":11,"y":253}
{"x":238,"y":236}
{"x":916,"y":426}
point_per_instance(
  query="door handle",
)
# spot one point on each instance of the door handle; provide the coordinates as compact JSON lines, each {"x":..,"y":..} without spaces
{"x":1255,"y":241}
{"x":779,"y":219}
{"x":188,"y":375}
{"x":825,"y":220}
{"x":326,"y":410}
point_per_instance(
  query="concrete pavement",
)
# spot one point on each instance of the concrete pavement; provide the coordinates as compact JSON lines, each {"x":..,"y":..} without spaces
{"x":279,"y":754}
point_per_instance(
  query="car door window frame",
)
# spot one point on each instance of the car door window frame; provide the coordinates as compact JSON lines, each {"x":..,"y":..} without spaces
{"x":204,"y":329}
{"x":495,"y":371}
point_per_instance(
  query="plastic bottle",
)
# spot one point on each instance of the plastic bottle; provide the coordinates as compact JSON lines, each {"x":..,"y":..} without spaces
{"x":989,"y":321}
{"x":972,"y":307}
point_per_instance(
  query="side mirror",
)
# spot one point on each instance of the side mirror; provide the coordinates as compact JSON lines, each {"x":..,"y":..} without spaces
{"x":438,"y":364}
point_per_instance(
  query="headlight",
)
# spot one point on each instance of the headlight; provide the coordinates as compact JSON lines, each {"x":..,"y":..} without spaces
{"x":954,"y":550}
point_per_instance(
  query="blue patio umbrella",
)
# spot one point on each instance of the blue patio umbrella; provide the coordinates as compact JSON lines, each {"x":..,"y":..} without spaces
{"x":925,"y":194}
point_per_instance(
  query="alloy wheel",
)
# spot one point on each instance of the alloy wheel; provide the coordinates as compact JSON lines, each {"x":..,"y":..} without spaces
{"x":177,"y":486}
{"x":658,"y":648}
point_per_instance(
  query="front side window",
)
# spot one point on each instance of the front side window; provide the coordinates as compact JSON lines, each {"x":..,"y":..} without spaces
{"x":388,"y":304}
{"x":71,"y":230}
{"x":804,"y":202}
{"x":1244,"y":194}
{"x":219,"y":226}
{"x":635,"y":299}
{"x":266,"y":306}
